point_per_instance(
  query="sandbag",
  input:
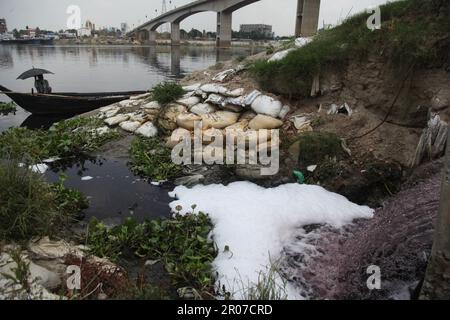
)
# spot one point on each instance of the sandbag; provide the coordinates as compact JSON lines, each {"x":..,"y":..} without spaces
{"x":147,"y":130}
{"x":187,"y":120}
{"x":220,"y":119}
{"x":267,"y":105}
{"x":265,"y":122}
{"x":203,"y":108}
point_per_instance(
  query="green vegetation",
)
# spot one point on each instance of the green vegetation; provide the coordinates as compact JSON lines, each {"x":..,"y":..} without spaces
{"x":412,"y":34}
{"x":29,"y":206}
{"x":271,"y":286}
{"x":151,"y":158}
{"x":167,"y":92}
{"x":181,"y":243}
{"x":20,"y":277}
{"x":315,"y":147}
{"x":68,"y":138}
{"x":7,"y":108}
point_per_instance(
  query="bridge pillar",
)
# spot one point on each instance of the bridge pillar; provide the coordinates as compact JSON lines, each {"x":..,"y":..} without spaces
{"x":152,"y":37}
{"x":175,"y":30}
{"x":307,"y":18}
{"x":224,"y":31}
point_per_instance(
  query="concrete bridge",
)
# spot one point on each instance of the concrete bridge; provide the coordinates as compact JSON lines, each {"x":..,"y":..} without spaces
{"x":306,"y":24}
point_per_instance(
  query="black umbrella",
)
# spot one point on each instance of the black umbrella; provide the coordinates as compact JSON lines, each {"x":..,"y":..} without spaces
{"x":33,"y":73}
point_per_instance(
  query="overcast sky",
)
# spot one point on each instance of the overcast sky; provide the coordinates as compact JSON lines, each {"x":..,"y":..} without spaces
{"x":51,"y":14}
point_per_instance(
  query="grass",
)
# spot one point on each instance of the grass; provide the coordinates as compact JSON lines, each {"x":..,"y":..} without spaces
{"x":181,"y":243}
{"x":270,"y":286}
{"x":7,"y":108}
{"x":410,"y":35}
{"x":167,"y":92}
{"x":152,"y":159}
{"x":30,"y":207}
{"x":68,"y":138}
{"x":315,"y":147}
{"x":19,"y":278}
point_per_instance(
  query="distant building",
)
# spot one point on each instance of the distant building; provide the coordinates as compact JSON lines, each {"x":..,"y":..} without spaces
{"x":84,"y":32}
{"x":259,"y":29}
{"x":3,"y":28}
{"x":90,"y":25}
{"x":124,"y":27}
{"x":87,"y":30}
{"x":31,"y":33}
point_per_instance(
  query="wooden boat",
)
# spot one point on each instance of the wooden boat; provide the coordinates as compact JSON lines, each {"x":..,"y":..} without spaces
{"x":66,"y":102}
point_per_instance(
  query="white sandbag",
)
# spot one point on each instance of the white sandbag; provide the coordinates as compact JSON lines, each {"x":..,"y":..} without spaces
{"x":108,"y":112}
{"x":248,"y":99}
{"x":152,"y":105}
{"x":203,"y":108}
{"x":303,"y":41}
{"x":201,"y":94}
{"x":213,"y":88}
{"x":129,"y":103}
{"x":215,"y":99}
{"x":189,"y":102}
{"x":280,"y":55}
{"x":284,"y":112}
{"x":138,"y":117}
{"x":114,"y":121}
{"x":192,"y":87}
{"x":147,"y":130}
{"x":130,"y":126}
{"x":224,"y":75}
{"x":220,"y":119}
{"x":240,"y":101}
{"x":232,"y":108}
{"x":141,"y":96}
{"x":264,"y":122}
{"x":235,"y":93}
{"x":267,"y":105}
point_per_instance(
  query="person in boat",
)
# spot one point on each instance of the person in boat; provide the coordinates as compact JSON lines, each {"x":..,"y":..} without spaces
{"x":42,"y":85}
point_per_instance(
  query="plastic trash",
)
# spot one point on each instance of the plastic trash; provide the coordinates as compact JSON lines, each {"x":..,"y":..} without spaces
{"x":299,"y":176}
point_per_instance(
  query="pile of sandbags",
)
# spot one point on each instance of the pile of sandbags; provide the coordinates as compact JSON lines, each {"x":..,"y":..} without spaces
{"x":213,"y":105}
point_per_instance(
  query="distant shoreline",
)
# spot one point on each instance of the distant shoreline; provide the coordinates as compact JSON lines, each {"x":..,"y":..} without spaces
{"x":196,"y":43}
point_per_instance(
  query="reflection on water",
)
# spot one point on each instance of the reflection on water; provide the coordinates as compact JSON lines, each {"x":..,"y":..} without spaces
{"x":102,"y":68}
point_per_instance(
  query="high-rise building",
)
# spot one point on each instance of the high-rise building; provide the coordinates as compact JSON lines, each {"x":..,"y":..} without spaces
{"x":3,"y":28}
{"x":261,"y":29}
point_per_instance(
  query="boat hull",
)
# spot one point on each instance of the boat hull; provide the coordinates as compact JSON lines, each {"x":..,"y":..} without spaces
{"x":66,"y":103}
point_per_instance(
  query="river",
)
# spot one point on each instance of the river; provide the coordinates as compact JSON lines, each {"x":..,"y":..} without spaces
{"x":101,"y":68}
{"x":114,"y":192}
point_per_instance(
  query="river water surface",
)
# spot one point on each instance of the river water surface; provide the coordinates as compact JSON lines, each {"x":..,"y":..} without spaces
{"x":114,"y":192}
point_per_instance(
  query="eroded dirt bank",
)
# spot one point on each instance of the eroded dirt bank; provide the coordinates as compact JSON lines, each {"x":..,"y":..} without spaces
{"x":398,"y":240}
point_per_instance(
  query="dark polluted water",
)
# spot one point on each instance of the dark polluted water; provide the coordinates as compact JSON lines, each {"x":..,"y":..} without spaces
{"x":114,"y":193}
